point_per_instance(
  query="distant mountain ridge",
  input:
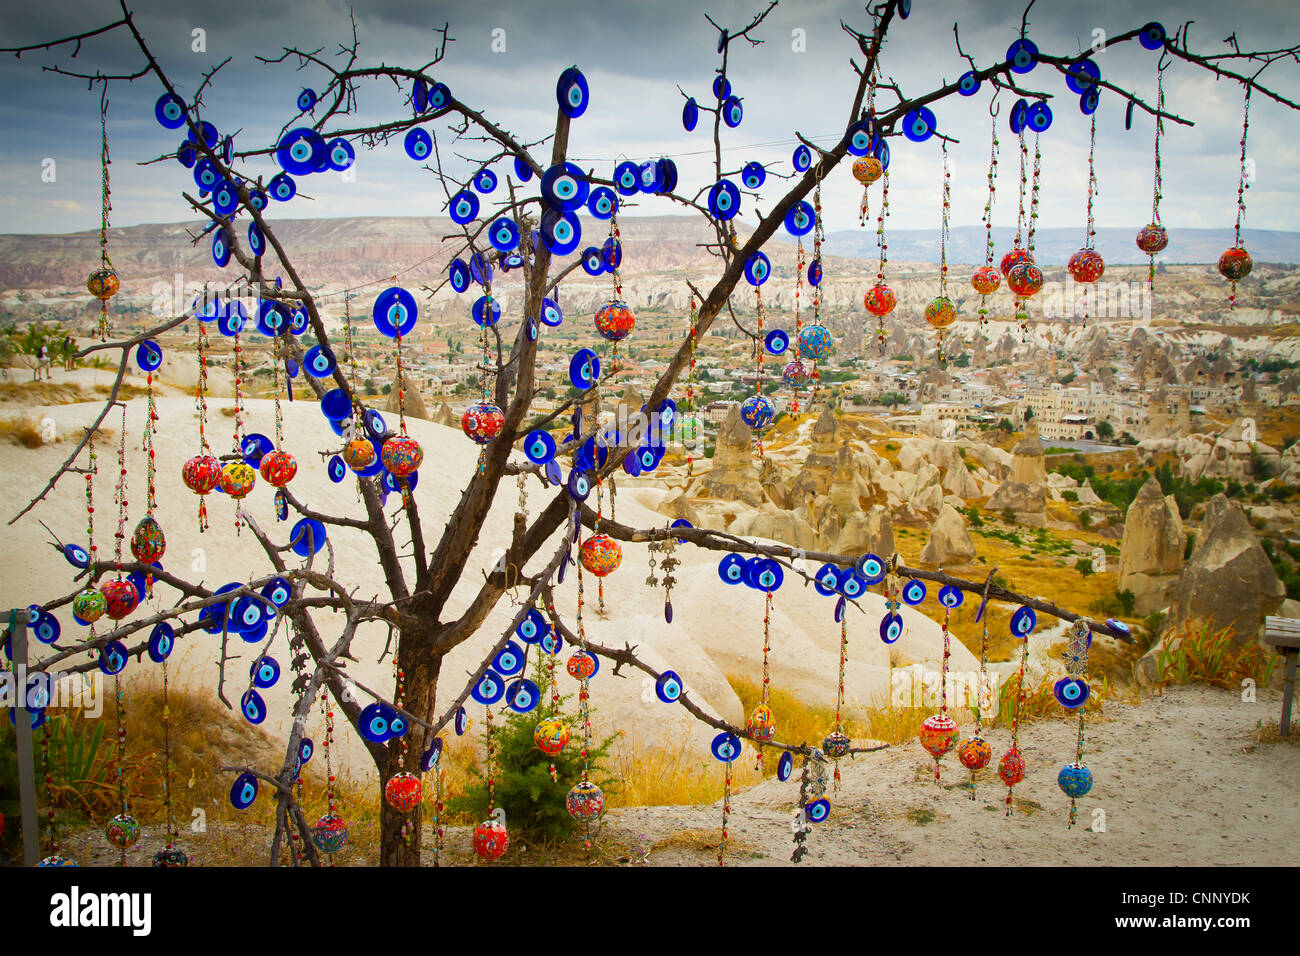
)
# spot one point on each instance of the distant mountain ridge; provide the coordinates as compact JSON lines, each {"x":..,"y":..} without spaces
{"x":361,"y":248}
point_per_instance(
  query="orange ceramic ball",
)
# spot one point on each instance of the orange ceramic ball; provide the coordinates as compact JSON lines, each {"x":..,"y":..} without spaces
{"x":1011,"y":768}
{"x":550,"y":736}
{"x":490,"y":839}
{"x":237,"y":478}
{"x":580,"y":665}
{"x":1025,"y":279}
{"x":1086,"y":265}
{"x":1014,"y":258}
{"x":761,"y":724}
{"x":867,"y":170}
{"x":938,"y":734}
{"x":403,"y":791}
{"x":600,"y":554}
{"x":975,"y":753}
{"x":103,"y":283}
{"x":278,"y":468}
{"x":201,"y":474}
{"x":359,"y":454}
{"x":615,"y":321}
{"x":941,"y":312}
{"x":1152,"y":238}
{"x":1235,"y":264}
{"x":880,"y":300}
{"x":986,"y":280}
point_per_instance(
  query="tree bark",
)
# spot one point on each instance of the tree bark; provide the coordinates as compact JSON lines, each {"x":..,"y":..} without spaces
{"x":400,"y":835}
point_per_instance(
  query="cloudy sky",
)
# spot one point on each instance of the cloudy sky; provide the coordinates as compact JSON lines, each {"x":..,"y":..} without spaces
{"x":634,"y":56}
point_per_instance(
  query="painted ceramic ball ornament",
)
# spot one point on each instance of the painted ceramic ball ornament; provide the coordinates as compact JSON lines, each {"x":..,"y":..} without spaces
{"x":359,"y":454}
{"x":600,"y":554}
{"x":1235,"y":264}
{"x":938,"y":734}
{"x":941,"y":312}
{"x":1011,"y":768}
{"x":986,"y":280}
{"x":120,"y":598}
{"x":814,"y":342}
{"x":1013,"y":259}
{"x":103,"y":284}
{"x":550,"y":736}
{"x":585,"y":801}
{"x":237,"y":479}
{"x":201,"y":474}
{"x":89,"y":605}
{"x":330,"y":833}
{"x":1025,"y":279}
{"x":147,"y":540}
{"x":975,"y":753}
{"x":615,"y":321}
{"x":403,"y":791}
{"x":122,"y":831}
{"x":867,"y":170}
{"x":57,"y":861}
{"x":794,"y":374}
{"x":482,"y":422}
{"x":170,"y":857}
{"x":278,"y":468}
{"x":836,"y":744}
{"x":490,"y":839}
{"x":1086,"y":266}
{"x":402,"y":455}
{"x":761,"y":725}
{"x":580,"y":665}
{"x":880,"y":300}
{"x":1152,"y":238}
{"x":757,"y":412}
{"x":1075,"y":780}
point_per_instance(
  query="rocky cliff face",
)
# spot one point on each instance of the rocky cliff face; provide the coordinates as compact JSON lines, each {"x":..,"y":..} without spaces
{"x":1151,"y":551}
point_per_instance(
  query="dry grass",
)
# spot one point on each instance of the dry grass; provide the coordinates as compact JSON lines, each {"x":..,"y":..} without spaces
{"x":1196,"y":653}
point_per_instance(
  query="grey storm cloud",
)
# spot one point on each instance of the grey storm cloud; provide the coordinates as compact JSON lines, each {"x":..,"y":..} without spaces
{"x":636,"y":56}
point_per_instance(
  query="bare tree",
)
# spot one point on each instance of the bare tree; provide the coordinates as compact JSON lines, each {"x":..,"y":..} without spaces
{"x":420,"y":584}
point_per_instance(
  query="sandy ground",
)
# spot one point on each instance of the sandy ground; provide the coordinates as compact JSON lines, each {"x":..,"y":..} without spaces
{"x":1179,"y":778}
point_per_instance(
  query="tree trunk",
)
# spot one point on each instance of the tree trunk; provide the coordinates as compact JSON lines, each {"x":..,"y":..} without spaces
{"x":400,"y":833}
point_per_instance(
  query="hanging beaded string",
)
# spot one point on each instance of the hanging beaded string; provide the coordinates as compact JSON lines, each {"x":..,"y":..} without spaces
{"x":758,"y":354}
{"x":201,"y":403}
{"x":327,"y":709}
{"x":668,"y":564}
{"x":800,"y":264}
{"x":106,"y":206}
{"x":1158,"y":185}
{"x":239,"y":415}
{"x":1242,"y":186}
{"x":839,"y":698}
{"x":1090,"y":234}
{"x":487,"y":359}
{"x":979,"y":691}
{"x":150,"y":425}
{"x":690,"y":388}
{"x":943,"y":677}
{"x":983,"y":311}
{"x":1015,"y":715}
{"x":818,"y":235}
{"x":864,"y":210}
{"x":169,"y":765}
{"x":119,"y":696}
{"x":1076,"y":665}
{"x":399,"y":676}
{"x":584,"y":711}
{"x":51,"y":829}
{"x":617,"y":236}
{"x":1023,"y":311}
{"x":438,"y":808}
{"x":726,"y":811}
{"x":765,"y":695}
{"x":943,"y":241}
{"x":551,"y":655}
{"x":881,"y":333}
{"x":801,"y":827}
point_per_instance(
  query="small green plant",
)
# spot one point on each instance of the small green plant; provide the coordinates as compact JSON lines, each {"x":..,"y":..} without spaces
{"x":1197,"y":653}
{"x":1085,"y":520}
{"x":534,"y":802}
{"x":1084,"y":566}
{"x":1127,"y":601}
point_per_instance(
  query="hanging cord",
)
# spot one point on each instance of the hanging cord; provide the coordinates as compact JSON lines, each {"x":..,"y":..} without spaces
{"x":839,"y":695}
{"x":105,"y":208}
{"x":1158,"y":185}
{"x":690,"y":390}
{"x":1242,"y":185}
{"x":943,"y":242}
{"x":881,"y":333}
{"x":988,"y":216}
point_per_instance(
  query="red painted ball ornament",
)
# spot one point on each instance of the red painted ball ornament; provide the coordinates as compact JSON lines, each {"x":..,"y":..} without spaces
{"x":491,"y":839}
{"x":1086,"y":265}
{"x":482,"y":422}
{"x":103,"y":284}
{"x":975,"y":753}
{"x":148,"y":543}
{"x":278,"y":468}
{"x":1152,"y":238}
{"x":585,"y":801}
{"x":1235,"y":264}
{"x":880,"y":300}
{"x":938,"y":734}
{"x":402,"y":455}
{"x":120,"y":598}
{"x":201,"y":474}
{"x":986,"y":280}
{"x":1025,"y":279}
{"x":615,"y":321}
{"x":580,"y":665}
{"x":1011,"y":768}
{"x":403,"y":791}
{"x":1013,"y":259}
